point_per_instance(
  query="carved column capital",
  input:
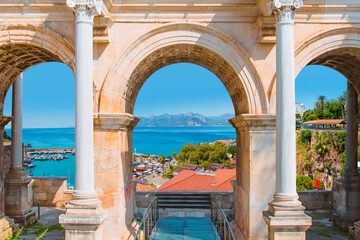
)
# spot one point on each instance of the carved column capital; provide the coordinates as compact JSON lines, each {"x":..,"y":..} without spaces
{"x":254,"y":122}
{"x":85,"y":10}
{"x":284,"y":10}
{"x":115,"y":121}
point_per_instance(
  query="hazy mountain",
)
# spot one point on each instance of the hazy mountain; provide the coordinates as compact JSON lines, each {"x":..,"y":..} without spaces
{"x":185,"y":120}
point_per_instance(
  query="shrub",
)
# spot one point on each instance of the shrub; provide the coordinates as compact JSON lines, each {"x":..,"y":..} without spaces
{"x":305,"y":137}
{"x":303,"y":183}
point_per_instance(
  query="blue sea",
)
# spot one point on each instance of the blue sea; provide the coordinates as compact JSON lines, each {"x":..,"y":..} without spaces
{"x":148,"y":140}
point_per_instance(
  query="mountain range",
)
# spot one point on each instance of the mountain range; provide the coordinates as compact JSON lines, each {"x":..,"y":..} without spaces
{"x":185,"y":120}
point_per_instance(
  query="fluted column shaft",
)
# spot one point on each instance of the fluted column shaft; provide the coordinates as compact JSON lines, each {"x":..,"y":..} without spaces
{"x":351,"y":132}
{"x":16,"y":125}
{"x":84,"y":142}
{"x":285,"y":100}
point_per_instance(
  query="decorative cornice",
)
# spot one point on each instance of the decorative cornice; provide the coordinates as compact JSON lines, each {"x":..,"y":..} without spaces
{"x":4,"y":120}
{"x":267,"y":29}
{"x":254,"y":122}
{"x":115,"y":121}
{"x":284,"y":10}
{"x":85,"y":10}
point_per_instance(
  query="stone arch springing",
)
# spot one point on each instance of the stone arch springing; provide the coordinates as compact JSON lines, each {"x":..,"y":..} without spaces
{"x":24,"y":46}
{"x":183,"y":42}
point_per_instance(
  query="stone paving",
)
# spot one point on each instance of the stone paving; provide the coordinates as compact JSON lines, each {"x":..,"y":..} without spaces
{"x":49,"y":222}
{"x":323,"y":229}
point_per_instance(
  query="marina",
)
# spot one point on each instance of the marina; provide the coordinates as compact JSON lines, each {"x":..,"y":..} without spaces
{"x":46,"y":154}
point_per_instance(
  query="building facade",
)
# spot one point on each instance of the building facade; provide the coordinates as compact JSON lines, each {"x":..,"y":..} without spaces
{"x":255,"y":47}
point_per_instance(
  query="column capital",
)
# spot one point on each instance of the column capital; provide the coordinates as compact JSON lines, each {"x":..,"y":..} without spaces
{"x":85,"y":10}
{"x":254,"y":122}
{"x":4,"y":120}
{"x":284,"y":10}
{"x":115,"y":121}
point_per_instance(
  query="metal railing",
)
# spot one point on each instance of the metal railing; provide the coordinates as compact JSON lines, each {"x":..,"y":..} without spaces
{"x":150,"y":217}
{"x":220,"y":221}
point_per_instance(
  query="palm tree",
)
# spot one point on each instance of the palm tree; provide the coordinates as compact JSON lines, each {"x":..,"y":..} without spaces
{"x":322,"y":148}
{"x":342,"y":101}
{"x":321,"y":102}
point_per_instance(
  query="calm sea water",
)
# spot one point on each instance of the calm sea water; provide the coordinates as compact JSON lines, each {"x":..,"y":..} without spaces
{"x":149,"y":140}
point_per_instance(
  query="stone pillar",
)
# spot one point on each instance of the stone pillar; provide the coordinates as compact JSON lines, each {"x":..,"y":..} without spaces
{"x":286,"y":218}
{"x":113,"y":173}
{"x":7,"y":225}
{"x":17,"y":205}
{"x":84,"y":214}
{"x":255,"y":172}
{"x":348,"y":210}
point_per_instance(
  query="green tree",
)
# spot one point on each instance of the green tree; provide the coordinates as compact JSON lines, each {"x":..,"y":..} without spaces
{"x":231,"y":150}
{"x":322,"y":148}
{"x":309,"y":115}
{"x":297,"y":115}
{"x":320,"y":102}
{"x":174,"y":154}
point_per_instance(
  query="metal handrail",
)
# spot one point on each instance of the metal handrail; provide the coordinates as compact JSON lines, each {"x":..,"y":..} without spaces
{"x":150,"y":217}
{"x":221,"y":223}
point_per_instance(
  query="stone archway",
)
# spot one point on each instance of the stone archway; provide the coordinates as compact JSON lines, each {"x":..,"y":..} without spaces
{"x":340,"y":50}
{"x":174,"y":43}
{"x":24,"y":46}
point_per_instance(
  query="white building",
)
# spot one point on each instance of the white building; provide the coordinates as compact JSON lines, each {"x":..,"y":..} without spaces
{"x":300,"y":108}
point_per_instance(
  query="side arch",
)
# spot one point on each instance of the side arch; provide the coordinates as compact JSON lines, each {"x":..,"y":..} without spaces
{"x":338,"y":49}
{"x":183,"y":42}
{"x":23,"y":46}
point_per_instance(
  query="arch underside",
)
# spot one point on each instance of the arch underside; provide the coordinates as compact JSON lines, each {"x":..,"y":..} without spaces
{"x":16,"y":58}
{"x":344,"y":60}
{"x":187,"y":53}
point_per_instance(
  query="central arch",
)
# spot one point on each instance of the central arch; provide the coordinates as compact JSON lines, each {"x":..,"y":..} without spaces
{"x":114,"y":121}
{"x":183,"y":42}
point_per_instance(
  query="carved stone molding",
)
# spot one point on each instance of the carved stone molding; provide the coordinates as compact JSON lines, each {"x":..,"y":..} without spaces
{"x":284,"y":10}
{"x":115,"y":121}
{"x":267,"y":28}
{"x":85,"y":10}
{"x":254,"y":122}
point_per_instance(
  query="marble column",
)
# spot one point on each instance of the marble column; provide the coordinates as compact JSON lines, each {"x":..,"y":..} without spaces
{"x":17,"y":204}
{"x":346,"y":190}
{"x":84,"y":214}
{"x":7,"y":225}
{"x":351,"y":133}
{"x":286,"y":217}
{"x":113,"y":174}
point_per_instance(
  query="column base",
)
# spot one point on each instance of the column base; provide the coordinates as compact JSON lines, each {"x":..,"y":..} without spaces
{"x":7,"y":227}
{"x":17,"y":201}
{"x":83,"y":219}
{"x":286,"y":218}
{"x":355,"y":231}
{"x":348,"y":211}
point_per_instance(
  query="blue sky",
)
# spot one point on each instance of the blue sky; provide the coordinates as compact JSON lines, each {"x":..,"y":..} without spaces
{"x":49,"y":94}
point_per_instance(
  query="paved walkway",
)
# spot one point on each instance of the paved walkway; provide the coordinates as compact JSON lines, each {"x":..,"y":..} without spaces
{"x":49,"y":222}
{"x":323,"y":229}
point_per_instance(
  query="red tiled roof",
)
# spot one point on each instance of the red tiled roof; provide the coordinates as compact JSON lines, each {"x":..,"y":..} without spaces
{"x":188,"y":180}
{"x":325,"y":121}
{"x":223,"y":141}
{"x":142,"y":187}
